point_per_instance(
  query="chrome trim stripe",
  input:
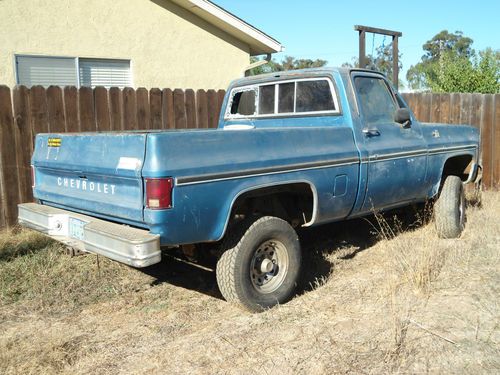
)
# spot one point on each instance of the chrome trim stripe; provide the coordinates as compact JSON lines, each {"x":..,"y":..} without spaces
{"x":399,"y":155}
{"x":450,"y":149}
{"x":200,"y":179}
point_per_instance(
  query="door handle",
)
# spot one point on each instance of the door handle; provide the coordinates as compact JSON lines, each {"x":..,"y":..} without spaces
{"x":373,"y":132}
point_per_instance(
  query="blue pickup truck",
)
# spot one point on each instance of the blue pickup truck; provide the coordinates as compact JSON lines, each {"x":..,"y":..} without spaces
{"x":293,"y":149}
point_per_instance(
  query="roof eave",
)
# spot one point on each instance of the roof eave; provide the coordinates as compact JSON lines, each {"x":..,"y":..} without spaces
{"x":259,"y":42}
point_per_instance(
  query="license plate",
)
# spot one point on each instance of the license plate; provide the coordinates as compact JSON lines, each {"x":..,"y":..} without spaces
{"x":76,"y":228}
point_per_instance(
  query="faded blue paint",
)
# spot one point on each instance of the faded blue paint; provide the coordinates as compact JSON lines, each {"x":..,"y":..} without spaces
{"x":212,"y":168}
{"x":92,"y":159}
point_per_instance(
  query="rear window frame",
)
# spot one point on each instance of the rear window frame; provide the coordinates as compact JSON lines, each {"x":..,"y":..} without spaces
{"x":256,"y":87}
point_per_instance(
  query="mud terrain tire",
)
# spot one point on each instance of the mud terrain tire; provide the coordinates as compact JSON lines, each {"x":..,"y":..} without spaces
{"x":260,"y":263}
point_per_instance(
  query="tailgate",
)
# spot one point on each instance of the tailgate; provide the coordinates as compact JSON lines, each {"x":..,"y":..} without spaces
{"x":93,"y":172}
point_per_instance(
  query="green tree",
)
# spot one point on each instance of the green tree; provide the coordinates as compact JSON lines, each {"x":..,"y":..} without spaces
{"x":444,"y":47}
{"x":288,"y":63}
{"x":458,"y":73}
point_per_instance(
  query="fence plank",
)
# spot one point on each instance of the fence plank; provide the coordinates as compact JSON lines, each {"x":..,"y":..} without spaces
{"x":426,"y":107}
{"x":39,"y":111}
{"x":212,"y":108}
{"x":129,"y":109}
{"x":155,"y":108}
{"x":116,"y":108}
{"x":201,"y":109}
{"x":101,"y":104}
{"x":87,"y":111}
{"x":444,"y":112}
{"x":168,"y":109}
{"x":408,"y":98}
{"x":71,"y":109}
{"x":435,"y":109}
{"x":415,"y":99}
{"x":8,"y":159}
{"x":143,"y":114}
{"x":476,"y":110}
{"x":190,"y":108}
{"x":496,"y":143}
{"x":220,"y":99}
{"x":487,"y":139}
{"x":55,"y":105}
{"x":179,"y":109}
{"x":24,"y":141}
{"x":454,"y":108}
{"x":465,"y":106}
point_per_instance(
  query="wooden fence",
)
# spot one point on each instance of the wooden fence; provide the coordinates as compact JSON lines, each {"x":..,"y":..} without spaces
{"x":25,"y":112}
{"x":479,"y":110}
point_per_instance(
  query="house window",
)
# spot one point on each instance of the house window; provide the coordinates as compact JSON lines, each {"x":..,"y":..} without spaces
{"x":67,"y":71}
{"x":46,"y":71}
{"x":104,"y":72}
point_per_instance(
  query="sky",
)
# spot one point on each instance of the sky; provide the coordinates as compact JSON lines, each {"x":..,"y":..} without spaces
{"x":322,"y":29}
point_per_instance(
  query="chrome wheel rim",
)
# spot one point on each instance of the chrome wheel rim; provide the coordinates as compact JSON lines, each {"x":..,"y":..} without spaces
{"x":269,"y":266}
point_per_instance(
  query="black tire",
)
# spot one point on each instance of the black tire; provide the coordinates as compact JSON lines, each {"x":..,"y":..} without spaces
{"x":260,"y":263}
{"x":449,"y":209}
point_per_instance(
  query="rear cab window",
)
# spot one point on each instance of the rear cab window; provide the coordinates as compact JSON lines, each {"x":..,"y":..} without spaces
{"x":299,"y":97}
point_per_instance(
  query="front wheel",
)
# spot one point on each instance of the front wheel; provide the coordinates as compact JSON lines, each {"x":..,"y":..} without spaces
{"x":260,"y":263}
{"x":449,"y":209}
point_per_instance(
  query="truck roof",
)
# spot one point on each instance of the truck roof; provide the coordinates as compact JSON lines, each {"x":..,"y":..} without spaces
{"x":290,"y":74}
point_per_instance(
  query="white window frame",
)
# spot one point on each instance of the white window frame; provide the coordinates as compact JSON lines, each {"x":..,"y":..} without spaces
{"x":255,"y":87}
{"x":77,"y":65}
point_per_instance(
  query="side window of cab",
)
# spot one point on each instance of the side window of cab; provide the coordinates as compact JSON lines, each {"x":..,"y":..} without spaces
{"x":375,"y":99}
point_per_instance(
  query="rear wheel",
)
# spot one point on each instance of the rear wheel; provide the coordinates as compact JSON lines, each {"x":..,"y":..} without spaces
{"x":449,"y":209}
{"x":260,"y":263}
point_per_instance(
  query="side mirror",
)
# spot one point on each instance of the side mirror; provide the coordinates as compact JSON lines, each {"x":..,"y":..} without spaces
{"x":402,"y":116}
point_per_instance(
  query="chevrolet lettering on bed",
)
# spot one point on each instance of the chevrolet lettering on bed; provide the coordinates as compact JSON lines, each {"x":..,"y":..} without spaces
{"x":294,"y":149}
{"x":84,"y":185}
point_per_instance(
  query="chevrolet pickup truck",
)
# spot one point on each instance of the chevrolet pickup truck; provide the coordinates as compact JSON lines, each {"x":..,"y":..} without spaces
{"x":294,"y":149}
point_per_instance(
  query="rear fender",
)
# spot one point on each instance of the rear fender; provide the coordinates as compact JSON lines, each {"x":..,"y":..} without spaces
{"x":262,"y":186}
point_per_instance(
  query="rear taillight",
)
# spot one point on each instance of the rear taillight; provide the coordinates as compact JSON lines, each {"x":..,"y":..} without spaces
{"x":33,"y":177}
{"x":159,"y":193}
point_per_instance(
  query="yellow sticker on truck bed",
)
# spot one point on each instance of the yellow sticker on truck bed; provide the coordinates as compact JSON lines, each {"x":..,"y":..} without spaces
{"x":54,"y":142}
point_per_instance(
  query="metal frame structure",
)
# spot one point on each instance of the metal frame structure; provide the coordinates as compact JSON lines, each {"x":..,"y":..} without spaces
{"x":362,"y":48}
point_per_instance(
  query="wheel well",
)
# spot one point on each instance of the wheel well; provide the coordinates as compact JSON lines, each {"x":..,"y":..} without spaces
{"x":457,"y":166}
{"x":291,"y":202}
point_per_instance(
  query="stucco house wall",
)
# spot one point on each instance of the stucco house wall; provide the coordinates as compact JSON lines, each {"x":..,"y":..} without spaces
{"x":168,"y":46}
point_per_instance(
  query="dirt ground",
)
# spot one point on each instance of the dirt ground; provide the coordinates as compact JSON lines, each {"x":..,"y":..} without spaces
{"x":382,"y":295}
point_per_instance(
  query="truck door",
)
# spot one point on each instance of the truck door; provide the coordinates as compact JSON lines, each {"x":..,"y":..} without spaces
{"x":396,"y":154}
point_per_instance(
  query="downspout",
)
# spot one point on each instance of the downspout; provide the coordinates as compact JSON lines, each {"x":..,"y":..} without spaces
{"x":257,"y":64}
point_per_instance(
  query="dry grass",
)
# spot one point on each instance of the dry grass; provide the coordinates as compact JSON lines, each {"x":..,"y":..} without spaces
{"x":379,"y":297}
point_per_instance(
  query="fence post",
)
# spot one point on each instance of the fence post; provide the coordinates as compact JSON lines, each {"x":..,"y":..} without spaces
{"x":24,"y":141}
{"x":155,"y":108}
{"x":101,"y":100}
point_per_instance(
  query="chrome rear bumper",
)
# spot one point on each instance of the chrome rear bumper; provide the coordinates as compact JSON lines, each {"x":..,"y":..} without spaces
{"x":132,"y":246}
